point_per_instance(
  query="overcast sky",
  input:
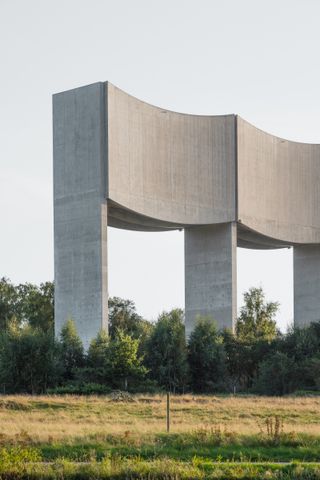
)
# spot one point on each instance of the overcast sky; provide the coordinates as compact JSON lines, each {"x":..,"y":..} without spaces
{"x":257,"y":58}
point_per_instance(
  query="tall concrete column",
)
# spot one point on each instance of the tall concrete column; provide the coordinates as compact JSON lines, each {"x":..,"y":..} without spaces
{"x":211,"y":274}
{"x":306,"y":272}
{"x":80,"y":210}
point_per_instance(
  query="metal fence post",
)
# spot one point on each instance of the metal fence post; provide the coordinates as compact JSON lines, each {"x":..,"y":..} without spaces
{"x":168,"y":412}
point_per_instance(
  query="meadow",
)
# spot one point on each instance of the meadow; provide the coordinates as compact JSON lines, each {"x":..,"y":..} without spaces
{"x":210,"y":437}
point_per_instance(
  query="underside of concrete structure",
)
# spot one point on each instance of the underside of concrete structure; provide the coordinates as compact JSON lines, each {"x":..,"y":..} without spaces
{"x":124,"y":163}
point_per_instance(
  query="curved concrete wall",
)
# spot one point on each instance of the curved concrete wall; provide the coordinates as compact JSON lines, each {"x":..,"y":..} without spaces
{"x":170,"y":170}
{"x":169,"y":166}
{"x":278,"y":186}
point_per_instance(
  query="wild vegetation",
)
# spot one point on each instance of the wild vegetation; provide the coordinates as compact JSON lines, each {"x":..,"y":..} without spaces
{"x":141,"y":356}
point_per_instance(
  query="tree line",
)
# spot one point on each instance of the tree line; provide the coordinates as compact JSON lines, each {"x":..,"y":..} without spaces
{"x":141,"y":356}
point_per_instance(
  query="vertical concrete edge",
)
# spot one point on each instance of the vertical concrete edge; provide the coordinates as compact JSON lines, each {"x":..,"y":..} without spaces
{"x":236,"y":169}
{"x":104,"y":205}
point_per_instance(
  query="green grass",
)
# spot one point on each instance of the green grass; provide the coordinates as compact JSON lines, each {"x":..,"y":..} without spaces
{"x":166,"y":469}
{"x":185,"y":447}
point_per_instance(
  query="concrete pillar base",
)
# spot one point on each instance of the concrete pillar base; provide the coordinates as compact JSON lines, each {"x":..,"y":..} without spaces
{"x":211,"y":274}
{"x":306,"y":271}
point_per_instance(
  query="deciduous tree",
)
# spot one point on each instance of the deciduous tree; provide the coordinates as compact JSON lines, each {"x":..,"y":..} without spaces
{"x":28,"y":359}
{"x":125,"y":362}
{"x":256,"y":320}
{"x":167,"y":351}
{"x":207,"y":358}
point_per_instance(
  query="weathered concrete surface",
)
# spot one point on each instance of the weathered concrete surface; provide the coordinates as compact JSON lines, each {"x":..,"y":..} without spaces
{"x":278,"y":186}
{"x":80,"y":210}
{"x":306,"y":272}
{"x":169,"y":166}
{"x":211,"y":274}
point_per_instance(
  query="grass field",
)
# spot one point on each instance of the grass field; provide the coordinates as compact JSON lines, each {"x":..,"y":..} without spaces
{"x":210,"y":437}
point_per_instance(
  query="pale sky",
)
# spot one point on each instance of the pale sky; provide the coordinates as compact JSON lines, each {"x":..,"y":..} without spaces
{"x":257,"y":58}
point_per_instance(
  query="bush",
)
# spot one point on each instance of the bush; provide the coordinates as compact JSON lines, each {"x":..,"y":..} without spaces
{"x":276,"y":375}
{"x":81,"y":389}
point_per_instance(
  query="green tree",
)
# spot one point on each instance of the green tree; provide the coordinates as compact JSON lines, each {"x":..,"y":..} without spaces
{"x":123,"y":316}
{"x":276,"y":375}
{"x":243,"y":358}
{"x":36,"y":305}
{"x":27,"y":303}
{"x":167,"y":351}
{"x":8,"y":303}
{"x":28,"y":359}
{"x":301,"y":343}
{"x":207,"y":358}
{"x":256,"y":320}
{"x":99,"y":366}
{"x":302,"y":346}
{"x":311,"y":372}
{"x":71,"y":351}
{"x":234,"y":359}
{"x":124,"y":359}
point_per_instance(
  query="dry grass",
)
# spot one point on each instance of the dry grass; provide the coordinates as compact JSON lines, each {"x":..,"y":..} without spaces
{"x":56,"y":418}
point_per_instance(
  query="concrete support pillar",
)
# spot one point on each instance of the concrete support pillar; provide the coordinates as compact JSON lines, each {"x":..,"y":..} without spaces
{"x":80,"y":210}
{"x":211,"y":274}
{"x":306,"y":271}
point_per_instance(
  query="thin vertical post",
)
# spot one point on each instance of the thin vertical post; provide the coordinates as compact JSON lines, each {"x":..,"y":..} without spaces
{"x":168,"y":412}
